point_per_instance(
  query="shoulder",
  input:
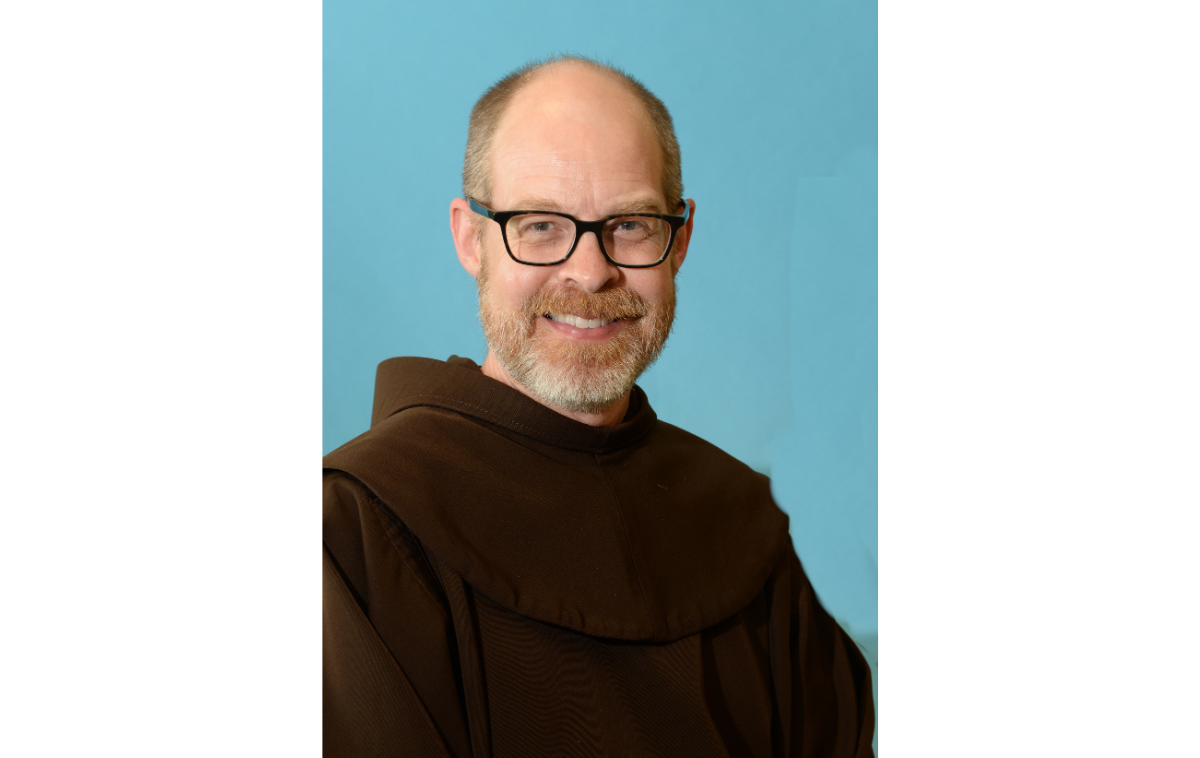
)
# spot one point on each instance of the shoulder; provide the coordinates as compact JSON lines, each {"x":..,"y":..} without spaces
{"x":678,"y":448}
{"x":411,"y":450}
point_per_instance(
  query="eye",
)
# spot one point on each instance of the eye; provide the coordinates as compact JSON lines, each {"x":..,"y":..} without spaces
{"x":634,"y":227}
{"x":539,"y":226}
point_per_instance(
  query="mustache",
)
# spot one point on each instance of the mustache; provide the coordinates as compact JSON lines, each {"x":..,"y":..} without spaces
{"x":606,"y":304}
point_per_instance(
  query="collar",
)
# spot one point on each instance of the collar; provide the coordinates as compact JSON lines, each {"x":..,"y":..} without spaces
{"x":460,"y":385}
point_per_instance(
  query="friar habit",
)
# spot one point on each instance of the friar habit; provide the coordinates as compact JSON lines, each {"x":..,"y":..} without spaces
{"x":501,"y":580}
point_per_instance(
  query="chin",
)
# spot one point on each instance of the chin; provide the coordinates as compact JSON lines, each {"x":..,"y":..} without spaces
{"x":581,"y":377}
{"x":574,"y":388}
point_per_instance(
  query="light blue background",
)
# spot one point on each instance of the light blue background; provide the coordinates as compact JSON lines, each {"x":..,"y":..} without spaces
{"x":773,"y":357}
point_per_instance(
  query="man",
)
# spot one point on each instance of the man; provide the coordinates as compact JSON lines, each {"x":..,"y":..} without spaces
{"x":520,"y":558}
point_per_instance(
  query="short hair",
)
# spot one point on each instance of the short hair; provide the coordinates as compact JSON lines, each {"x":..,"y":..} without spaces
{"x":489,"y":109}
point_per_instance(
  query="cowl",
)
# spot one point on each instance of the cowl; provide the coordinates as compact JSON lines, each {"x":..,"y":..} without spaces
{"x":639,"y":531}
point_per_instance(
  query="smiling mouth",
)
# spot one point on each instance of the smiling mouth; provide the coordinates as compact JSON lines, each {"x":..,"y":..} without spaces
{"x":579,"y":322}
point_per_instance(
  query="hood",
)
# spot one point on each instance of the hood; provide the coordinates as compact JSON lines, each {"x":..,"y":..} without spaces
{"x":638,"y":531}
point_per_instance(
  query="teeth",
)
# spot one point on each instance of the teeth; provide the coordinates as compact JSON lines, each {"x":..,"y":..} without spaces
{"x":581,"y":323}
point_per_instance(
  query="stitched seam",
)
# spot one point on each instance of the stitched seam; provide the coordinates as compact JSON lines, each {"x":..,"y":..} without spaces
{"x":376,"y":503}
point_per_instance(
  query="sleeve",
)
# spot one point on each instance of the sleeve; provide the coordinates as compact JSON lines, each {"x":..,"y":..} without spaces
{"x":388,"y":671}
{"x":822,"y":680}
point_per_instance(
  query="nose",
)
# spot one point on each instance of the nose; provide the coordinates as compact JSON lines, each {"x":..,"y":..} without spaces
{"x":587,"y":267}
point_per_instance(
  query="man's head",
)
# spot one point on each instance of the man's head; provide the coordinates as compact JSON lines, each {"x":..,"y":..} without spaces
{"x":489,"y":109}
{"x":576,"y":138}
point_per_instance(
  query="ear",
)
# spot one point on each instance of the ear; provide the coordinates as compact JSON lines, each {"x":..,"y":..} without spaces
{"x":682,"y":238}
{"x":466,"y":240}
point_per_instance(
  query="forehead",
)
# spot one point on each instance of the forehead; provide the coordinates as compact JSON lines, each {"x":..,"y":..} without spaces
{"x":576,"y":134}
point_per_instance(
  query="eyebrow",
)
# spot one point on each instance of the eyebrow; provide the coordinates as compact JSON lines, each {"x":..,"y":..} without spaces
{"x":640,"y":205}
{"x":537,"y":204}
{"x":646,"y":205}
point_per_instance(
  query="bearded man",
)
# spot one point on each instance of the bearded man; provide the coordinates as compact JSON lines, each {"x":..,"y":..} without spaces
{"x":520,"y":559}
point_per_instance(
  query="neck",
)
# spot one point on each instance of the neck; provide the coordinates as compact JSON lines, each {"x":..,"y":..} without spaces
{"x":610,"y":416}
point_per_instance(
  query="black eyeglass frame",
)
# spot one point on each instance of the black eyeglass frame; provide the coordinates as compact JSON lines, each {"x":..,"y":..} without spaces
{"x":583,"y":227}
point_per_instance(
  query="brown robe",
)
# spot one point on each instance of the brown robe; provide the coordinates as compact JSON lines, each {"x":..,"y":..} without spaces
{"x":503,"y":581}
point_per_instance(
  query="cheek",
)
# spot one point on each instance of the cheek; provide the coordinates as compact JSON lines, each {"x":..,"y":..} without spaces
{"x":656,"y":285}
{"x":513,"y":286}
{"x":508,"y":281}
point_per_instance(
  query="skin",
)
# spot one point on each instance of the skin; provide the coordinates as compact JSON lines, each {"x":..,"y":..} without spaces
{"x":573,"y":141}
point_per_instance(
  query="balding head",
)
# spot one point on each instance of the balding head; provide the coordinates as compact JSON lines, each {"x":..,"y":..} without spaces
{"x":571,"y":81}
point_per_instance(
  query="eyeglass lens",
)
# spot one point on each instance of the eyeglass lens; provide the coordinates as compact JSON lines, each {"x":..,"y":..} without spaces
{"x":632,"y":240}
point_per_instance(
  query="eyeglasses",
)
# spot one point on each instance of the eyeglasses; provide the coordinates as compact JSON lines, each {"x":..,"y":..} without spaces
{"x":547,"y":238}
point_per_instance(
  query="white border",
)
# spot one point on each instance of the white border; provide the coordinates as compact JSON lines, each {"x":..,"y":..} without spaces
{"x":162,"y":236}
{"x":1038,"y":379}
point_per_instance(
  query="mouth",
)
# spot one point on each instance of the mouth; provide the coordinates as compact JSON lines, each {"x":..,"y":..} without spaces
{"x":580,"y":322}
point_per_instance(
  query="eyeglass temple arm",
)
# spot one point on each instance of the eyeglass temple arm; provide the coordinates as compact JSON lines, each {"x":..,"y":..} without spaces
{"x":481,"y":210}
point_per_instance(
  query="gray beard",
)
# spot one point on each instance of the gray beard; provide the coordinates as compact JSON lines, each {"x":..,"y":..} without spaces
{"x":576,"y":377}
